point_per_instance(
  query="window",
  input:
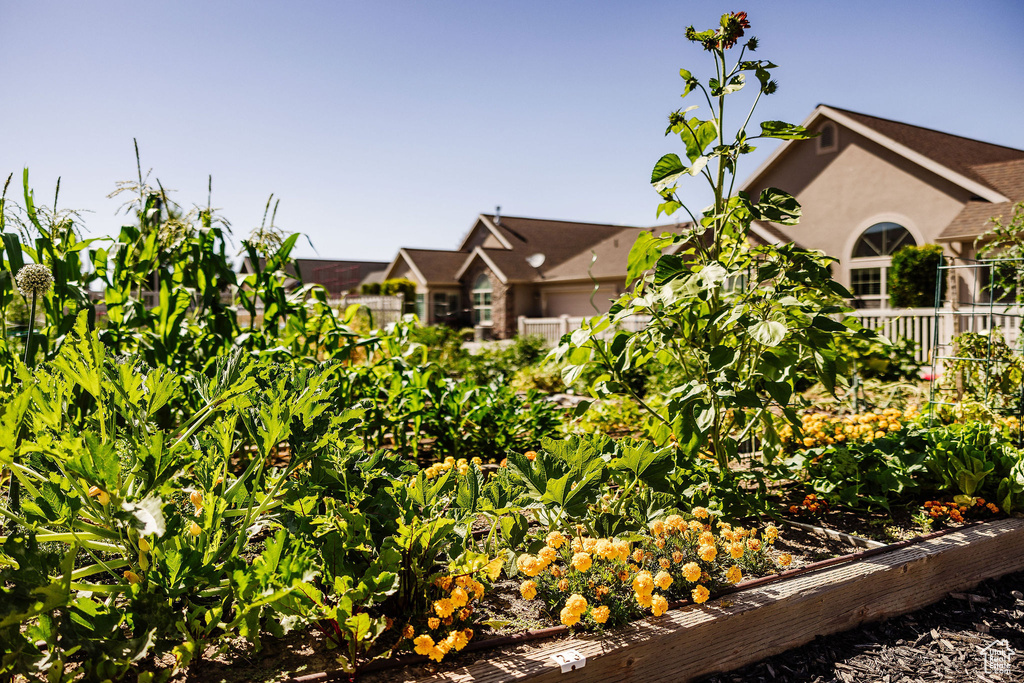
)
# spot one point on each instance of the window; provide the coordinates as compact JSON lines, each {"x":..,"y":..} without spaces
{"x":421,"y":306}
{"x":444,"y":306}
{"x":827,"y":140}
{"x":482,"y":291}
{"x":870,"y":261}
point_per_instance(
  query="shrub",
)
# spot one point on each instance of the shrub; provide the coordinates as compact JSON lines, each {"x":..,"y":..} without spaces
{"x":912,"y":276}
{"x":405,"y":287}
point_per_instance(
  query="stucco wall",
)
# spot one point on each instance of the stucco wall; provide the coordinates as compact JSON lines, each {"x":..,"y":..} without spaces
{"x":861,"y":183}
{"x":574,"y":299}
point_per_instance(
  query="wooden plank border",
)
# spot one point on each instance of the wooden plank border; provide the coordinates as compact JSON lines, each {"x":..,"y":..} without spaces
{"x":735,"y":630}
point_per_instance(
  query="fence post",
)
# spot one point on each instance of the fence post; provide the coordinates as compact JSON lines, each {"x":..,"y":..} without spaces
{"x":522,"y":325}
{"x":563,"y":325}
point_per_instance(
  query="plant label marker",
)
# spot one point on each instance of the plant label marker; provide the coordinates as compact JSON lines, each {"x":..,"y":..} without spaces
{"x":569,"y":660}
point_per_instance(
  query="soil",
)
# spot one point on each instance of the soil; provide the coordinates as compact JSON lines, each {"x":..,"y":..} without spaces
{"x":943,"y":642}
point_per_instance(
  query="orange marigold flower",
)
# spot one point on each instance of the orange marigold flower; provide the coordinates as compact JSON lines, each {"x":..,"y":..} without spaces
{"x":708,"y":553}
{"x":658,"y":528}
{"x":663,"y":580}
{"x":528,"y":589}
{"x":563,"y":585}
{"x":531,"y":455}
{"x":556,"y":572}
{"x":548,"y":554}
{"x":784,"y":559}
{"x":665,"y":563}
{"x":700,"y":594}
{"x":621,"y":549}
{"x":568,"y":617}
{"x":643,"y":599}
{"x":408,"y":632}
{"x":433,"y":623}
{"x":638,"y":555}
{"x":734,"y":575}
{"x":678,"y":557}
{"x":601,"y":614}
{"x":754,"y":544}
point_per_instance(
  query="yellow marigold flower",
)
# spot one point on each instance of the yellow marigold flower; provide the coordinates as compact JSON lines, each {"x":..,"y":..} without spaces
{"x":602,"y":591}
{"x":589,"y":544}
{"x":548,"y":554}
{"x":643,"y":599}
{"x":443,"y":582}
{"x":601,"y":614}
{"x":664,"y":563}
{"x":659,"y":605}
{"x":408,"y":631}
{"x":663,"y":580}
{"x":695,"y":525}
{"x":529,"y":565}
{"x":734,"y":575}
{"x":691,"y":571}
{"x":450,"y":460}
{"x":424,"y":644}
{"x":771,"y":532}
{"x":463,"y":470}
{"x":478,"y":589}
{"x":658,"y":528}
{"x":638,"y":555}
{"x":784,"y":559}
{"x":643,"y":582}
{"x":465,"y":613}
{"x":728,"y":535}
{"x":457,"y":640}
{"x":675,"y":523}
{"x":706,"y":538}
{"x":433,"y":623}
{"x":700,"y":594}
{"x":468,"y":632}
{"x":556,"y":571}
{"x":605,"y":549}
{"x":678,"y":557}
{"x":754,"y":544}
{"x":623,"y":575}
{"x":528,"y":589}
{"x":581,"y":562}
{"x":460,"y":598}
{"x":438,"y":652}
{"x":736,"y":550}
{"x":569,"y":618}
{"x":443,"y":607}
{"x":621,"y":550}
{"x":555,"y":539}
{"x":576,"y":603}
{"x":563,"y":585}
{"x":477,"y":461}
{"x":700,"y":513}
{"x":708,"y":553}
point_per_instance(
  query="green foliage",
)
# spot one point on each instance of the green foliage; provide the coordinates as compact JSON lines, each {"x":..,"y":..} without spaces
{"x":1004,"y":243}
{"x":736,"y":321}
{"x":913,"y":275}
{"x":972,"y":460}
{"x":405,"y":288}
{"x":987,"y":370}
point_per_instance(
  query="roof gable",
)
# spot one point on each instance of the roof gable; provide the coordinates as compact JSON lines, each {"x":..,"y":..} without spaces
{"x":949,"y":156}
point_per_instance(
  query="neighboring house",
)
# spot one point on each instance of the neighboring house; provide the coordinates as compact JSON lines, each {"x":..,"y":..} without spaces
{"x":509,"y":266}
{"x":869,"y":185}
{"x":337,"y":277}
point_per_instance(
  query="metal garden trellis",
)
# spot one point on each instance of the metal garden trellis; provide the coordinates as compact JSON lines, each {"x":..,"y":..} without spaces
{"x":993,"y":308}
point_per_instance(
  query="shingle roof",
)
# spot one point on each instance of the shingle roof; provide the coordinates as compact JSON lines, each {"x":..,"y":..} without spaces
{"x":959,"y":154}
{"x":974,"y":220}
{"x":335,"y":275}
{"x":438,"y":266}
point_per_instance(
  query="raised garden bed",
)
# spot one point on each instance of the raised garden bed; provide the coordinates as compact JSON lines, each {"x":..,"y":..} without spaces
{"x":764,"y":617}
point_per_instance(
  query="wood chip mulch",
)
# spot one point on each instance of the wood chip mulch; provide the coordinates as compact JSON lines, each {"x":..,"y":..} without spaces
{"x":942,"y":642}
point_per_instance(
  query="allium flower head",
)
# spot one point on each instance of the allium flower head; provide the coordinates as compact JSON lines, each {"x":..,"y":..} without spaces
{"x":34,"y":279}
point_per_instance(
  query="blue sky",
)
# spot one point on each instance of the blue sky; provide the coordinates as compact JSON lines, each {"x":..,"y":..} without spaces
{"x":388,"y":124}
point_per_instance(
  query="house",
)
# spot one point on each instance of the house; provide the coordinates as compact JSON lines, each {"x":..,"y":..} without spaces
{"x":337,"y":277}
{"x":869,"y":186}
{"x":509,"y":266}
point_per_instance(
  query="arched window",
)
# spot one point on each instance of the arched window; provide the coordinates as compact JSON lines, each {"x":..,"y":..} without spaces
{"x":872,"y":255}
{"x":482,"y":291}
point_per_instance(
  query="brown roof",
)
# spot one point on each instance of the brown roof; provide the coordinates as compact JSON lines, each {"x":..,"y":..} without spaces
{"x":974,"y":220}
{"x":438,"y":266}
{"x":959,"y":154}
{"x":336,"y":276}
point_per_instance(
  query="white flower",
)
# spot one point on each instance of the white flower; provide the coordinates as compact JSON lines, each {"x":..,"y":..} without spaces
{"x":35,"y":278}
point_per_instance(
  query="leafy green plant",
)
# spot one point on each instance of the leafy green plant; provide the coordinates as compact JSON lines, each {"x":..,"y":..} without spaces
{"x":971,"y":460}
{"x":913,"y":276}
{"x":736,"y":320}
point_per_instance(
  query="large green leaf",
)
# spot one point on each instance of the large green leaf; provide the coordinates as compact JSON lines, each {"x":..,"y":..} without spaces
{"x":785,"y":131}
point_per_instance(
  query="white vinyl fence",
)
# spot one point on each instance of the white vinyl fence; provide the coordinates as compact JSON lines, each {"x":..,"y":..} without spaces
{"x":917,"y":324}
{"x":385,"y":309}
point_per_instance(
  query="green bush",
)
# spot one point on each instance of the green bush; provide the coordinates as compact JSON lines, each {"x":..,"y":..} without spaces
{"x":405,"y":287}
{"x":912,"y":276}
